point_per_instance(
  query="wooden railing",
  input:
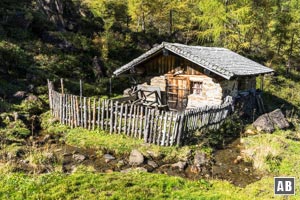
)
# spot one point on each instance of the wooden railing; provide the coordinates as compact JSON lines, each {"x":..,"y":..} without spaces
{"x":164,"y":128}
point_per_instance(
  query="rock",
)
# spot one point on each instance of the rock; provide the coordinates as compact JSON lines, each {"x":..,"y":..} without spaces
{"x":136,"y":157}
{"x":267,"y":122}
{"x":180,"y":165}
{"x":32,"y":97}
{"x":109,"y":171}
{"x":126,"y":170}
{"x":152,"y":163}
{"x":264,"y":123}
{"x":250,"y":132}
{"x":120,"y":163}
{"x":200,"y":159}
{"x":194,"y":169}
{"x":238,"y":160}
{"x":20,"y":94}
{"x":278,"y":119}
{"x":108,"y":158}
{"x":79,"y":157}
{"x":138,"y":169}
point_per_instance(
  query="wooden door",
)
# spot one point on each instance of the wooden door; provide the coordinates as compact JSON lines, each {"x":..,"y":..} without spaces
{"x":178,"y":89}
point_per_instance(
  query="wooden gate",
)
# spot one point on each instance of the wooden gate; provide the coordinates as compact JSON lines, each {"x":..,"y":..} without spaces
{"x":178,"y":89}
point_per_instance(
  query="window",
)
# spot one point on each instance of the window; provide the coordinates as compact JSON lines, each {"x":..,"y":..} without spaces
{"x":197,"y":88}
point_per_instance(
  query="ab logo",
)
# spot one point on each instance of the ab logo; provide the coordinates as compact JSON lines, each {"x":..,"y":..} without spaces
{"x":284,"y":186}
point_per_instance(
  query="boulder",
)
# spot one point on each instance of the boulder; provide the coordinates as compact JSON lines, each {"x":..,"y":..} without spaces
{"x":278,"y":119}
{"x":264,"y":123}
{"x":269,"y":121}
{"x":136,"y":157}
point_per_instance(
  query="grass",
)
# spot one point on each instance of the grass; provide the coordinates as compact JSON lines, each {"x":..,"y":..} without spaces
{"x":87,"y":185}
{"x":276,"y":155}
{"x":117,"y":144}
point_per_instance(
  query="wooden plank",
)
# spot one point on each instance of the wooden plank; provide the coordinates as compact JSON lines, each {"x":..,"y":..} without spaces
{"x":141,"y":122}
{"x":164,"y":129}
{"x":169,"y":129}
{"x":99,"y":112}
{"x":151,"y":125}
{"x":175,"y":129}
{"x":102,"y":113}
{"x":111,"y":116}
{"x":129,"y":120}
{"x":84,"y":113}
{"x":107,"y":121}
{"x":120,"y":118}
{"x":138,"y":110}
{"x":94,"y":114}
{"x":160,"y":127}
{"x":133,"y":121}
{"x":155,"y":125}
{"x":146,"y":131}
{"x":116,"y":117}
{"x":61,"y":108}
{"x":77,"y":112}
{"x":125,"y":120}
{"x":89,"y":114}
{"x":181,"y":126}
{"x":71,"y":111}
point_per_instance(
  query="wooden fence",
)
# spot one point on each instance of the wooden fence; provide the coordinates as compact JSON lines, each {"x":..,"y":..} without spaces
{"x":164,"y":128}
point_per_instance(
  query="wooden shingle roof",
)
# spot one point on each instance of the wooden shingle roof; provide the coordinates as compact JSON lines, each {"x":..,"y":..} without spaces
{"x":221,"y":61}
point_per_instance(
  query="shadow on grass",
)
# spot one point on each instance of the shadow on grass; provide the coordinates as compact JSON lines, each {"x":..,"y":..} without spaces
{"x":272,"y":102}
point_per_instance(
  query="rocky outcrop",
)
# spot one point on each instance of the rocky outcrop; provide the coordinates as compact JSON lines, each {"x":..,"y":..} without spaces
{"x":270,"y":121}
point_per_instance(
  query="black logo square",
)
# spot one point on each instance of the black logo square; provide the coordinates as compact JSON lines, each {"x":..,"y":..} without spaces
{"x":284,"y":185}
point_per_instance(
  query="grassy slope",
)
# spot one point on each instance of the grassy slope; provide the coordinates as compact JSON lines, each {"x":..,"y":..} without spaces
{"x":273,"y":153}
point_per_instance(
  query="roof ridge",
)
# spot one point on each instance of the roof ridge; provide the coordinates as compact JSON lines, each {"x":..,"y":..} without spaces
{"x":195,"y":58}
{"x":194,"y":46}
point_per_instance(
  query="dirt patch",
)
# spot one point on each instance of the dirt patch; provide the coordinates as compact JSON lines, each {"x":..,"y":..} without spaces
{"x":229,"y":165}
{"x":47,"y":153}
